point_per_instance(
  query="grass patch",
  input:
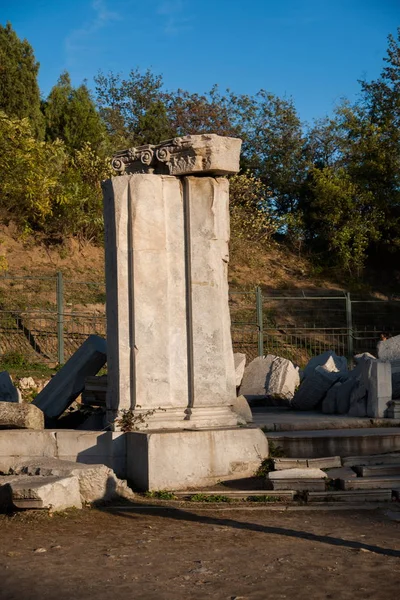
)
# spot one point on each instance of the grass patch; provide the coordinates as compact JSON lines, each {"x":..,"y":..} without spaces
{"x":210,"y":498}
{"x":161,"y":495}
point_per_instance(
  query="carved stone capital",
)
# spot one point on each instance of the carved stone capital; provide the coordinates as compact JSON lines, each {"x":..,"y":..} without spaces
{"x":209,"y":154}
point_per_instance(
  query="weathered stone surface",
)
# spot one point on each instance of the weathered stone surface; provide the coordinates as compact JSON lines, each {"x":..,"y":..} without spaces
{"x":298,"y":479}
{"x":314,"y":387}
{"x":20,"y":416}
{"x":329,"y":403}
{"x":343,"y":396}
{"x":282,"y":379}
{"x":8,"y":392}
{"x":393,"y":409}
{"x":193,"y":458}
{"x":389,"y":349}
{"x":240,"y":363}
{"x":242,"y":409}
{"x":341,"y":473}
{"x":147,"y":265}
{"x":358,"y":400}
{"x":378,"y":378}
{"x":255,"y":377}
{"x":69,"y":382}
{"x":329,"y":359}
{"x":308,"y":473}
{"x":26,"y":383}
{"x":53,"y":493}
{"x":206,"y":154}
{"x":96,"y":482}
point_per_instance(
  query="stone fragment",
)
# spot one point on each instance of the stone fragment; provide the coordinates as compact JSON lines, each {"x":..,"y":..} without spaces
{"x":325,"y":462}
{"x":289,"y":463}
{"x":69,"y":382}
{"x":242,"y":409}
{"x":270,"y":377}
{"x":329,"y":359}
{"x":240,"y":363}
{"x":96,"y":482}
{"x":26,"y":383}
{"x":389,"y":349}
{"x":358,"y":400}
{"x":341,"y":473}
{"x":378,"y":381}
{"x":255,"y":377}
{"x":282,"y":379}
{"x":308,"y":473}
{"x":314,"y":387}
{"x":393,"y":409}
{"x":20,"y":416}
{"x":363,"y":356}
{"x":329,"y":403}
{"x":53,"y":493}
{"x":298,"y":479}
{"x":8,"y":392}
{"x":206,"y":154}
{"x":343,"y":396}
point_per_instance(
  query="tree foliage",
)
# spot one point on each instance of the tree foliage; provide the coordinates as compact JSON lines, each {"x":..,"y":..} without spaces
{"x":71,"y":116}
{"x":19,"y":90}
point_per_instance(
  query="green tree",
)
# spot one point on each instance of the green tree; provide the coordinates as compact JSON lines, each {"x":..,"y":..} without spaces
{"x":71,"y":116}
{"x":19,"y":90}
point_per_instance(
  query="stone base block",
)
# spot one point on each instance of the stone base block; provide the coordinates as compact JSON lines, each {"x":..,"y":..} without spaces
{"x":167,"y":460}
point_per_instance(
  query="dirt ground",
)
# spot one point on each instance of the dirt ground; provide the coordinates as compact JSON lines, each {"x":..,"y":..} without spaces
{"x":193,"y":552}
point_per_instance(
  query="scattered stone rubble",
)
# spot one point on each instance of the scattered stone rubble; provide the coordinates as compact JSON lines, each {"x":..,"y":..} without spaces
{"x":355,"y":478}
{"x":54,"y":484}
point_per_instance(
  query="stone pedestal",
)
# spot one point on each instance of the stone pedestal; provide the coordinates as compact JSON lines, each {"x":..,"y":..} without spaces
{"x":170,"y":359}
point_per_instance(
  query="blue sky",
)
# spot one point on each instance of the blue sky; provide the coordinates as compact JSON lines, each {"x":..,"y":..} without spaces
{"x":312,"y":50}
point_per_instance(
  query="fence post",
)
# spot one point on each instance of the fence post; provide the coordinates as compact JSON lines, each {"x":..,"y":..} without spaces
{"x":260,"y":321}
{"x":349,"y":320}
{"x":60,"y":318}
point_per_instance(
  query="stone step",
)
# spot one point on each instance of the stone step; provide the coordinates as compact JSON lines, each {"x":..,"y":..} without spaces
{"x":299,"y":485}
{"x":338,"y":442}
{"x":378,"y":470}
{"x":373,"y":459}
{"x":372,"y":483}
{"x":328,"y":462}
{"x":384,"y":495}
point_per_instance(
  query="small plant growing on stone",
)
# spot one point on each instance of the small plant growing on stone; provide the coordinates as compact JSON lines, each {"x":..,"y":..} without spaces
{"x":130,"y":420}
{"x":161,"y":495}
{"x":210,"y":498}
{"x":268,"y":465}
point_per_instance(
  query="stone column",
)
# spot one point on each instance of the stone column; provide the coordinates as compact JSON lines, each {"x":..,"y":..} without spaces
{"x":170,"y":355}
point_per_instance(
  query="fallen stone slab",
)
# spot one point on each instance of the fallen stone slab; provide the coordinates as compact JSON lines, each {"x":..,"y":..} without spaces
{"x":253,"y":385}
{"x":299,"y":485}
{"x":8,"y":391}
{"x":241,"y":407}
{"x":350,"y":496}
{"x":329,"y":359}
{"x":325,"y":462}
{"x":343,"y":396}
{"x":329,"y":403}
{"x":341,"y":473}
{"x":96,"y":482}
{"x":389,"y":349}
{"x":372,"y":459}
{"x":308,"y":473}
{"x":240,"y":363}
{"x":378,"y":470}
{"x":52,"y":493}
{"x":283,"y":379}
{"x":358,"y":400}
{"x":393,"y":409}
{"x":20,"y":416}
{"x":69,"y":382}
{"x":373,"y":483}
{"x":314,"y":387}
{"x":290,"y":463}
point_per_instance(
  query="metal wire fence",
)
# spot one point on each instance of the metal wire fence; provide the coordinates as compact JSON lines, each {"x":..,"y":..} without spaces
{"x":45,"y":319}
